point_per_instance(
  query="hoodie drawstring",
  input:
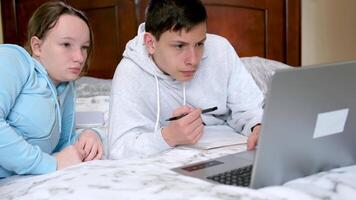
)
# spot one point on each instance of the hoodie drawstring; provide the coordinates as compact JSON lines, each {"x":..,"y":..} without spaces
{"x":158,"y":102}
{"x":184,"y":99}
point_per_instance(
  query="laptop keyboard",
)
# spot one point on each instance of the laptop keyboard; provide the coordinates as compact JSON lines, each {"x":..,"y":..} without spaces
{"x":238,"y":177}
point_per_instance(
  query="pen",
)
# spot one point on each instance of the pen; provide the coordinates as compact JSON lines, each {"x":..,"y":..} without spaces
{"x":203,"y":111}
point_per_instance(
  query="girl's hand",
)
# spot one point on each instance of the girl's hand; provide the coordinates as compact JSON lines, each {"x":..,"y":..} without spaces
{"x":90,"y":144}
{"x":69,"y":156}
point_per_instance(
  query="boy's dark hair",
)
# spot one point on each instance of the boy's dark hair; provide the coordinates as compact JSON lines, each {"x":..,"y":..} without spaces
{"x":175,"y":15}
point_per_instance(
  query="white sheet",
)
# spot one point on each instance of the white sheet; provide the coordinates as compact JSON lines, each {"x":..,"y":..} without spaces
{"x":151,"y":178}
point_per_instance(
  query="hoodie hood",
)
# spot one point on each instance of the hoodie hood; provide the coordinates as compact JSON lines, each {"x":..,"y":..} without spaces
{"x":136,"y":51}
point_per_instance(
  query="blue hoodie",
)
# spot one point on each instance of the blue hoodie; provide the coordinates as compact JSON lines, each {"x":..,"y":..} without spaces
{"x":36,"y":117}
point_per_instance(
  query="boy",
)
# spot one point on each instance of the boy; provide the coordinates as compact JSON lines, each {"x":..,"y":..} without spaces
{"x":172,"y":68}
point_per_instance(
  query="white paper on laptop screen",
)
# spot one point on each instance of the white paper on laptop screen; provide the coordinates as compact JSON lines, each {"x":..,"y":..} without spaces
{"x":329,"y":123}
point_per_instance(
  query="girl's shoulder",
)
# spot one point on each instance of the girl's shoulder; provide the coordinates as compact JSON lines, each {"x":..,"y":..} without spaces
{"x":15,"y":56}
{"x":14,"y":50}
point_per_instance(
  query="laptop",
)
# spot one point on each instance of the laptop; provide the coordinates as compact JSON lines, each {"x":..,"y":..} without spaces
{"x":308,"y":126}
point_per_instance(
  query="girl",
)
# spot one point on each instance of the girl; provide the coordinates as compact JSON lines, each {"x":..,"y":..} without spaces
{"x":37,"y":121}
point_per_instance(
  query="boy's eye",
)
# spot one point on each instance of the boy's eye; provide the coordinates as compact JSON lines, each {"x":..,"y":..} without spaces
{"x":200,"y":44}
{"x":179,"y":46}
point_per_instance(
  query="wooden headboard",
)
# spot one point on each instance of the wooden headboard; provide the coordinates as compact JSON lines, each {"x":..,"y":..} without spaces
{"x":265,"y":28}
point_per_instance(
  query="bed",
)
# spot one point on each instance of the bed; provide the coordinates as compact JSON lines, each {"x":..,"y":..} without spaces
{"x":267,"y":35}
{"x":152,"y":177}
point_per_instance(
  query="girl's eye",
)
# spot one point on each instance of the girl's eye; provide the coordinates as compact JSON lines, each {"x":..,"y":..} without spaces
{"x":85,"y":47}
{"x":66,"y":44}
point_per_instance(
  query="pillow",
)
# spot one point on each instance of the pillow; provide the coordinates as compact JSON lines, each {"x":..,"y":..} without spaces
{"x":88,"y":87}
{"x":93,"y":96}
{"x":262,"y":70}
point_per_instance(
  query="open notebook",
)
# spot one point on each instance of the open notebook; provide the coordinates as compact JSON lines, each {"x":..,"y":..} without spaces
{"x":219,"y":136}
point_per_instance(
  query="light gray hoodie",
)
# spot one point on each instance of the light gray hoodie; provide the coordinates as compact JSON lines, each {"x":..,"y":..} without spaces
{"x":143,"y":97}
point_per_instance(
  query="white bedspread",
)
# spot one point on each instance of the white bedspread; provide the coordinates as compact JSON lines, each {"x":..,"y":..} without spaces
{"x":151,"y":178}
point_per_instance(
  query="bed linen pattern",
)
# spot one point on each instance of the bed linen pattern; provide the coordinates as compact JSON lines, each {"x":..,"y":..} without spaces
{"x":151,"y":178}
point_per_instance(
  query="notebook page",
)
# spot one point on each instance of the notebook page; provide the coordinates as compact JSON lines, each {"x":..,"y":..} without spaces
{"x":219,"y":136}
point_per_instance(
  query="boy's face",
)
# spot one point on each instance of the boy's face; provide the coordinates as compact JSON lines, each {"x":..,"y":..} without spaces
{"x":178,"y":53}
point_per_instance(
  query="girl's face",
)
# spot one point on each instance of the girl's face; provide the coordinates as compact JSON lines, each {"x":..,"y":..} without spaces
{"x":64,"y":49}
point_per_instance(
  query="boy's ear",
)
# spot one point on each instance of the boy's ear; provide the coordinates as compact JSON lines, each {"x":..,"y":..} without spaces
{"x":35,"y":45}
{"x":149,"y":41}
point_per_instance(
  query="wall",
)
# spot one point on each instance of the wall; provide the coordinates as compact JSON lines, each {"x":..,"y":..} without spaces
{"x":328,"y":31}
{"x":1,"y":39}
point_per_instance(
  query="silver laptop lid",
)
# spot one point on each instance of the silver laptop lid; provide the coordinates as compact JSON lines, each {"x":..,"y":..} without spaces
{"x":309,"y":123}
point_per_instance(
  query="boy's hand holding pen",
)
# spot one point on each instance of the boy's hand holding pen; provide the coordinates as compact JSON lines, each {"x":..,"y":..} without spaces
{"x":203,"y":111}
{"x":186,"y":127}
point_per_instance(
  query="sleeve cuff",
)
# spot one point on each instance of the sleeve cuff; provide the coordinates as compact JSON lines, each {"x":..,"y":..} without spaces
{"x":161,"y":140}
{"x":156,"y":143}
{"x":248,"y":127}
{"x":98,"y":132}
{"x":48,"y":164}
